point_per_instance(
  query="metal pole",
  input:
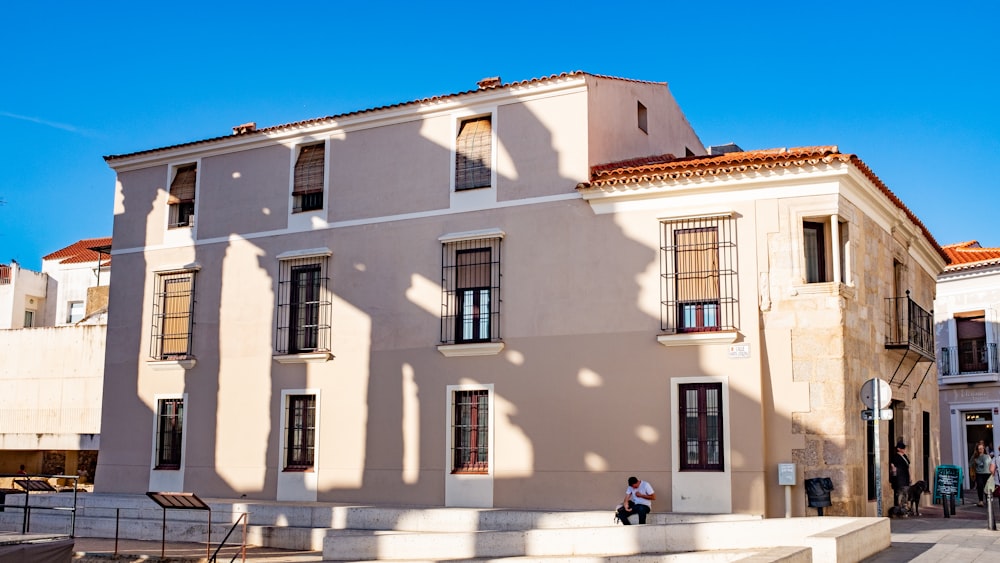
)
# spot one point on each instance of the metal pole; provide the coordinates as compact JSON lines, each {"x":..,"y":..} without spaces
{"x":788,"y":501}
{"x":991,"y":524}
{"x":878,"y":452}
{"x":163,"y":536}
{"x":76,"y":486}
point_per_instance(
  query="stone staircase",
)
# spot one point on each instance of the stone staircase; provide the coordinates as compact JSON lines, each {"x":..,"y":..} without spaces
{"x":356,"y":533}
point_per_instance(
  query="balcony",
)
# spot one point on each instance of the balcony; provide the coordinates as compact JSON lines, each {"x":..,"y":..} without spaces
{"x":908,"y":327}
{"x":969,"y":364}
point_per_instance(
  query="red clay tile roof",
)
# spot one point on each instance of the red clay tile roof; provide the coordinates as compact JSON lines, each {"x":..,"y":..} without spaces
{"x":630,"y":173}
{"x":968,"y":254}
{"x":79,"y":251}
{"x":307,"y":122}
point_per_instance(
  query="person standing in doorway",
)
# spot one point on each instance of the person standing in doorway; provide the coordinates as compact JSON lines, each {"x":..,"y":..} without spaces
{"x":981,"y":464}
{"x":899,"y":472}
{"x":638,"y":500}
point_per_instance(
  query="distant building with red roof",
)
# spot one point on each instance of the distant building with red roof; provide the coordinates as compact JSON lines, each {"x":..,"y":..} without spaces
{"x":967,"y":336}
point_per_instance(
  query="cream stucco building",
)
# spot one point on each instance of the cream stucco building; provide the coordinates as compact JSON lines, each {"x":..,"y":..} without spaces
{"x":477,"y":299}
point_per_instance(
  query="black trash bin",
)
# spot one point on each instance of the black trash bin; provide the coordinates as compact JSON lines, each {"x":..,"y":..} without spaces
{"x":818,"y":493}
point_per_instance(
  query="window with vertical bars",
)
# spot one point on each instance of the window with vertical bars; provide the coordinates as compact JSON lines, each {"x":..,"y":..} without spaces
{"x":470,"y":283}
{"x":701,"y":446}
{"x":698,"y":275}
{"x":470,"y":427}
{"x":300,"y":432}
{"x":303,"y":311}
{"x":474,"y":153}
{"x":307,"y":192}
{"x":181,"y":198}
{"x":169,"y":433}
{"x":173,"y":314}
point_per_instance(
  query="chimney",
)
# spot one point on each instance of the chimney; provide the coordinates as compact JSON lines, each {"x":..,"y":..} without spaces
{"x":489,"y":82}
{"x":245,"y":128}
{"x":718,"y":150}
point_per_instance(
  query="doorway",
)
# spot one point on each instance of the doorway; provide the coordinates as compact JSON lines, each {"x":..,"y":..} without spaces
{"x":978,"y":427}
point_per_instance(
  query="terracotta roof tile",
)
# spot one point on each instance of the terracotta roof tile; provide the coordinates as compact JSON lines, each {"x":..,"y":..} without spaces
{"x":968,"y":254}
{"x":80,"y":252}
{"x":631,"y":173}
{"x":307,"y":122}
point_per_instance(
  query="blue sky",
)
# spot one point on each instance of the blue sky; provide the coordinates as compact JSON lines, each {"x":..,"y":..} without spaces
{"x":910,"y":88}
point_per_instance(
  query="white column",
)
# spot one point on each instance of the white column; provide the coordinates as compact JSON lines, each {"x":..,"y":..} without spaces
{"x":835,"y":246}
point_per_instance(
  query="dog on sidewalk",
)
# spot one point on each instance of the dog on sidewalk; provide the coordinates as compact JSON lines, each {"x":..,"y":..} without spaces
{"x":910,"y":499}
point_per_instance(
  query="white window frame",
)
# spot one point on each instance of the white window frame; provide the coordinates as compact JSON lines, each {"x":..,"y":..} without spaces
{"x":839,"y":257}
{"x":181,"y":235}
{"x":477,"y":197}
{"x":296,"y":149}
{"x":492,"y":348}
{"x":283,"y":438}
{"x":156,"y":430}
{"x":451,"y":390}
{"x":69,"y":311}
{"x":281,"y":316}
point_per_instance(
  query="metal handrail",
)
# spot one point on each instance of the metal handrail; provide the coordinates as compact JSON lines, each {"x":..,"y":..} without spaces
{"x":951,"y":363}
{"x":243,"y":548}
{"x":27,"y":489}
{"x":909,"y":325}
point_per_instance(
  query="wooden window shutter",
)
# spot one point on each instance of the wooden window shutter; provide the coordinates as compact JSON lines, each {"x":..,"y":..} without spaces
{"x":182,"y":188}
{"x":473,"y":153}
{"x":309,"y":170}
{"x":697,"y":264}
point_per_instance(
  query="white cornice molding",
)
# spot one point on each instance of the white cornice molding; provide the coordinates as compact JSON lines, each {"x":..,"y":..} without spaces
{"x":307,"y":253}
{"x":305,"y":358}
{"x":697,"y":338}
{"x":467,"y":350}
{"x":168,"y":268}
{"x":172,"y":365}
{"x":473,"y":235}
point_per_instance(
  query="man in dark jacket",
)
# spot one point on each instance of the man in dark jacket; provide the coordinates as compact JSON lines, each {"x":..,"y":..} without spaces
{"x":899,"y":472}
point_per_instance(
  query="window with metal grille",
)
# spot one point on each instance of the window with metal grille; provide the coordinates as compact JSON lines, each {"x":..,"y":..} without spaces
{"x":701,"y":427}
{"x":474,"y":153}
{"x":169,"y":433}
{"x":470,"y":427}
{"x":698,"y":275}
{"x":300,"y":432}
{"x":307,"y":192}
{"x":470,"y":282}
{"x":303,"y":311}
{"x":181,"y":198}
{"x":173,"y":314}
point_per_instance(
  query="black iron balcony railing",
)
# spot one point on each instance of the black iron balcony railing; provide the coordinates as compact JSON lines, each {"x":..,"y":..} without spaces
{"x":968,"y":360}
{"x":908,"y":326}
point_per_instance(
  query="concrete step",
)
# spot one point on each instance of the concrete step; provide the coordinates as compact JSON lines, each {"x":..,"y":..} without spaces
{"x":437,"y":521}
{"x":830,"y":539}
{"x":772,"y":555}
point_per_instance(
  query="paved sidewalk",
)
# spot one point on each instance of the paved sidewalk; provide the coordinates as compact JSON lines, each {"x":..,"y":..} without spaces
{"x":931,"y":537}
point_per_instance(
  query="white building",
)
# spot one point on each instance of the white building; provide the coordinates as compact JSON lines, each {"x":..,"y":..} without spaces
{"x":52,"y":339}
{"x":966,"y":333}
